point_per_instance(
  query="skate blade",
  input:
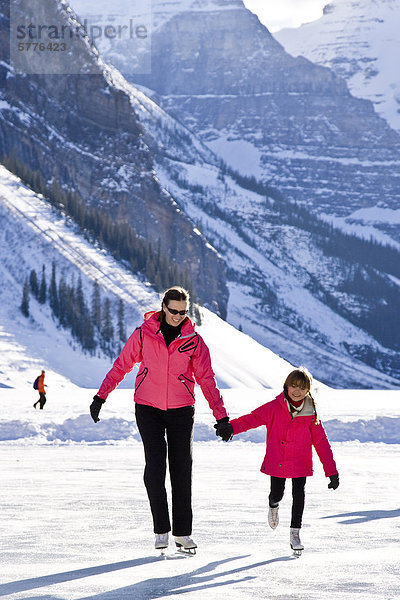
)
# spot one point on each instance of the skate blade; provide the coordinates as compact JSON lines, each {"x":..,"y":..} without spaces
{"x":187,"y":551}
{"x":297,"y":553}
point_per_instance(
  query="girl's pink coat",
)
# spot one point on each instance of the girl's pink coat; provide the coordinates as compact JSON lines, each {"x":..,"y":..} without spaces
{"x":289,"y":440}
{"x":166,"y":376}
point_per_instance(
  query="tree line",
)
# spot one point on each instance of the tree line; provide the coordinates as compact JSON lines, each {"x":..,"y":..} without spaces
{"x":90,"y":321}
{"x":140,"y":255}
{"x":332,"y":240}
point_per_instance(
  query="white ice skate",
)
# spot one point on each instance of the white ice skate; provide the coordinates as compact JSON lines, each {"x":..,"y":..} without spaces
{"x":161,"y":541}
{"x":273,"y":516}
{"x":295,"y":542}
{"x":185,"y":544}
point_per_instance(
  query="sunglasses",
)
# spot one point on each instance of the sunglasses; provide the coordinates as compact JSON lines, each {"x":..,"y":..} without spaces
{"x":173,"y":311}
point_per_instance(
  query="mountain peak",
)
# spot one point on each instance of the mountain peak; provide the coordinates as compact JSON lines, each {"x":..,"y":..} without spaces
{"x":358,"y":41}
{"x":182,"y":5}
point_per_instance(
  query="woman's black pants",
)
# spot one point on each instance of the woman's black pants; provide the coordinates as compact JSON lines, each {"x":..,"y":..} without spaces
{"x":168,"y":433}
{"x":298,"y":495}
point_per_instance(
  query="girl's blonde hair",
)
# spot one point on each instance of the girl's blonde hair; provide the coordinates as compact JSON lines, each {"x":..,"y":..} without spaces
{"x":303,"y":378}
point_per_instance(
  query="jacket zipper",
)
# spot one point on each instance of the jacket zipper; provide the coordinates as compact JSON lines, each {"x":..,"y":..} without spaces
{"x":183,"y":380}
{"x":144,"y":373}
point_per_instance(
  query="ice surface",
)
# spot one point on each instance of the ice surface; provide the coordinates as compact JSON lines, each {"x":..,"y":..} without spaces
{"x":76,"y":525}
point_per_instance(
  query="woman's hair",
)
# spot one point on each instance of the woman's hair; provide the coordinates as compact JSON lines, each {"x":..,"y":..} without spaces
{"x":303,"y":378}
{"x":173,"y":293}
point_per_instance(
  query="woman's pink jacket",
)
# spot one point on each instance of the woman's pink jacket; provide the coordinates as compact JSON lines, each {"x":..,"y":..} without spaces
{"x":289,"y":440}
{"x":166,"y":376}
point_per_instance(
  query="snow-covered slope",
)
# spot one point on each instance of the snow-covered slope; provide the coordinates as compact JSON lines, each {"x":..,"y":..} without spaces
{"x":272,"y":271}
{"x":253,"y":240}
{"x":287,"y":292}
{"x":33,"y":234}
{"x":360,"y":41}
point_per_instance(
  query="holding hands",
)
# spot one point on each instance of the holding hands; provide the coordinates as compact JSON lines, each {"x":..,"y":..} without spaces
{"x":224,"y":429}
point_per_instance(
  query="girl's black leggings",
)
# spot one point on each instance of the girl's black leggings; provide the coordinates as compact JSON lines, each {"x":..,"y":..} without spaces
{"x":298,"y":495}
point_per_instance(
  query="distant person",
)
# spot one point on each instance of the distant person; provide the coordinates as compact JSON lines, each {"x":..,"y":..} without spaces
{"x":293,"y":428}
{"x":172,"y":357}
{"x":42,"y":392}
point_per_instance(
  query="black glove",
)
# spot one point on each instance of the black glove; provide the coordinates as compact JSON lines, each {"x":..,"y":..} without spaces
{"x":224,"y":429}
{"x":334,"y":481}
{"x":95,"y":408}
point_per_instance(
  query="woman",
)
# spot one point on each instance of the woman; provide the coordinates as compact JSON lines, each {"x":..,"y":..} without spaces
{"x":172,"y":357}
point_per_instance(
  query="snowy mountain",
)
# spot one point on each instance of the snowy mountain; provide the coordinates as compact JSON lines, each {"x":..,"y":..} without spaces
{"x":280,"y":277}
{"x":81,"y":129}
{"x":287,"y":121}
{"x":29,"y":344}
{"x":322,"y":346}
{"x":359,"y":41}
{"x":295,"y":285}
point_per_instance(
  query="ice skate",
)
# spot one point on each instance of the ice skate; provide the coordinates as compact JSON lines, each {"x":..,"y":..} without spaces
{"x":273,"y":516}
{"x":295,"y":542}
{"x":161,"y":541}
{"x":185,"y":544}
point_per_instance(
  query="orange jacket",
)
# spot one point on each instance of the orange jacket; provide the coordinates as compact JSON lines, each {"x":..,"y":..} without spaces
{"x":41,"y":389}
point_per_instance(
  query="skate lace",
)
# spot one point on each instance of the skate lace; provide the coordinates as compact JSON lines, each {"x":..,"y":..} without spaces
{"x":274,"y":513}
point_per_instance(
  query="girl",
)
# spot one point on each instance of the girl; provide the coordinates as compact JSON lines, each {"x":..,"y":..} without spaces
{"x":293,"y":428}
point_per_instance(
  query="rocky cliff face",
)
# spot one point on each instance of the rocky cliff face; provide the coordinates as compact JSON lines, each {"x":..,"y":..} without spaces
{"x":289,"y":122}
{"x":85,"y":129}
{"x":291,"y":286}
{"x":229,"y":81}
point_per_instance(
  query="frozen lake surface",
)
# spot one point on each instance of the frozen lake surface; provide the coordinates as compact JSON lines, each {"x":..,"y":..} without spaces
{"x":75,"y":522}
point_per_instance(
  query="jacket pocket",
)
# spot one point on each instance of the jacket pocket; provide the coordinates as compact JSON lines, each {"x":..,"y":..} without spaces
{"x":186,"y":382}
{"x":140,"y":377}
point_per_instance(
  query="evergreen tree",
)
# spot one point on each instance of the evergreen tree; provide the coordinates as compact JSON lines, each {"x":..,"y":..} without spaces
{"x":197,"y":314}
{"x":70,"y":306}
{"x":43,"y":287}
{"x":25,"y":299}
{"x":34,"y":284}
{"x":53,"y":292}
{"x":96,"y":306}
{"x":118,"y":237}
{"x":87,"y":333}
{"x":107,"y":329}
{"x":80,"y":304}
{"x":121,"y":322}
{"x":63,"y":302}
{"x":55,"y":192}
